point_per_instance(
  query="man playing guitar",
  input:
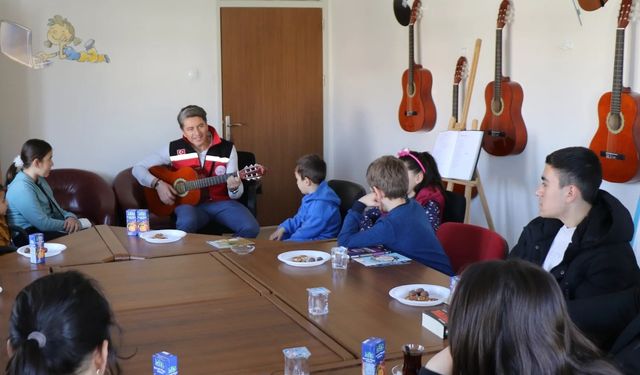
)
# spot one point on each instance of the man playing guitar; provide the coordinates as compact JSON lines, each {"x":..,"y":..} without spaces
{"x":202,"y":149}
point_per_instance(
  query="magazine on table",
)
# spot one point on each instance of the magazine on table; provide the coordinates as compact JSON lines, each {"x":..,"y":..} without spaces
{"x":228,"y":242}
{"x":357,"y":252}
{"x":380,"y":260}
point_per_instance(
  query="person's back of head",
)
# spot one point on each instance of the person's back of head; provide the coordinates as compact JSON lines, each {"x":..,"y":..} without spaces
{"x":578,"y":166}
{"x":389,"y":175}
{"x":60,"y":324}
{"x":509,"y":317}
{"x":31,"y":150}
{"x":312,"y":167}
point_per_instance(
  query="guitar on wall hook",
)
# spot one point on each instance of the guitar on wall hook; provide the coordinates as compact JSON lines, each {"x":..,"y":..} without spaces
{"x":417,"y":110}
{"x":504,"y":129}
{"x":590,"y":5}
{"x":617,"y":139}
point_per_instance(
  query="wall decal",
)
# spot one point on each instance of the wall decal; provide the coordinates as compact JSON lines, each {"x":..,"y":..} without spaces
{"x":61,"y":35}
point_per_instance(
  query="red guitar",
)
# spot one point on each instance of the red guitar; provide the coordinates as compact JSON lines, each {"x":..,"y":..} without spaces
{"x":460,"y":74}
{"x":617,"y":139}
{"x":417,"y":110}
{"x":505,"y":132}
{"x":187,"y":184}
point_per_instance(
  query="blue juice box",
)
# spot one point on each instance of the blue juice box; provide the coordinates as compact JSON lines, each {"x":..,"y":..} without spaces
{"x":142,"y":218}
{"x":164,"y":363}
{"x":132,"y":222}
{"x":36,"y":248}
{"x":373,"y":356}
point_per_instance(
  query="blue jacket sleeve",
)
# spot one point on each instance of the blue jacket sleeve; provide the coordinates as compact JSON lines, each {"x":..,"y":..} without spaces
{"x":351,"y":236}
{"x":292,"y":224}
{"x":314,"y":226}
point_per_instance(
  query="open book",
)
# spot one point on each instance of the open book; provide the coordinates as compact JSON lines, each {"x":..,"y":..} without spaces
{"x":456,"y":153}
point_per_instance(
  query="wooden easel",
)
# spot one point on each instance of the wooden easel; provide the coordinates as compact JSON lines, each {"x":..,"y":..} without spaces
{"x":462,"y":126}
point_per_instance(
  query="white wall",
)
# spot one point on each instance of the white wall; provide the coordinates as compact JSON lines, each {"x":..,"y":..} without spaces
{"x":105,"y":116}
{"x":561,"y":86}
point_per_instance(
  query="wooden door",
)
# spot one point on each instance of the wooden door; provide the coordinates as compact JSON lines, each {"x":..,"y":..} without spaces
{"x":272,"y":83}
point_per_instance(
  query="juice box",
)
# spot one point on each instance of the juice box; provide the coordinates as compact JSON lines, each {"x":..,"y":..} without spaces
{"x":142,"y":218}
{"x":132,"y":222}
{"x":36,"y":248}
{"x":373,"y":356}
{"x":164,"y":363}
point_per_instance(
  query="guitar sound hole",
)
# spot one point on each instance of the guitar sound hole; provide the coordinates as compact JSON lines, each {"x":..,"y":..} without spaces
{"x":410,"y":113}
{"x":615,"y":122}
{"x":411,"y":90}
{"x":497,"y":106}
{"x":180,"y":188}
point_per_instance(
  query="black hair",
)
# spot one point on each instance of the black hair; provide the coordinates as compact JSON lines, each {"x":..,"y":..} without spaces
{"x":510,"y":317}
{"x":73,"y":316}
{"x":191,"y":111}
{"x":431,"y":173}
{"x":578,"y":166}
{"x":31,"y":150}
{"x":313,"y":167}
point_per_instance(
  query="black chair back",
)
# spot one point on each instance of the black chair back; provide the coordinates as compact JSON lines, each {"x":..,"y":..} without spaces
{"x":454,"y":207}
{"x":348,"y":191}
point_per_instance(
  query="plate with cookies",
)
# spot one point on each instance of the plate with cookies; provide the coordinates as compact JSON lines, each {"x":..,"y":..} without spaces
{"x":162,"y":236}
{"x":420,"y":294}
{"x":304,"y":258}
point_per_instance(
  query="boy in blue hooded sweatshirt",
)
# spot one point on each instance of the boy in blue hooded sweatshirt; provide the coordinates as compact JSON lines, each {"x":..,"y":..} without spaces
{"x":318,"y":217}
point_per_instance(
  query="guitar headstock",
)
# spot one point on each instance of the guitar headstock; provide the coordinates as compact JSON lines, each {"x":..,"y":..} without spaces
{"x":461,"y":70}
{"x":416,"y":12}
{"x":252,"y":172}
{"x":625,"y":10}
{"x":504,"y":14}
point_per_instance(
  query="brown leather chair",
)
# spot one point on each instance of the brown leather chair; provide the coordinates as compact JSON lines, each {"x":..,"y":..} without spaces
{"x":85,"y":194}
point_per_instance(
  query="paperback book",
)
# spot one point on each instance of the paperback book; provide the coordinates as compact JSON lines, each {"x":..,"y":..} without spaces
{"x":228,"y":242}
{"x":385,"y":259}
{"x":436,"y":320}
{"x":366,"y":251}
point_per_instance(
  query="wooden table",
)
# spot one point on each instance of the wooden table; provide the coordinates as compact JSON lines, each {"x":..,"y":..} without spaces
{"x":225,"y":313}
{"x":359,"y":303}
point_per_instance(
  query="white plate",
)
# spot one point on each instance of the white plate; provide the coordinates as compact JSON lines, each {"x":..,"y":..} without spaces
{"x":53,"y":249}
{"x":286,"y":257}
{"x":435,"y":291}
{"x":172,"y":235}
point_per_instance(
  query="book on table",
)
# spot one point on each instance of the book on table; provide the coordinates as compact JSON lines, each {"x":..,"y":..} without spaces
{"x":436,"y":320}
{"x":357,"y":252}
{"x":381,"y":260}
{"x":228,"y":242}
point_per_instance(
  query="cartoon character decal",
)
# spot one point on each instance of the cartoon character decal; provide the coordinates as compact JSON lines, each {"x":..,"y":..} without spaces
{"x":62,"y":35}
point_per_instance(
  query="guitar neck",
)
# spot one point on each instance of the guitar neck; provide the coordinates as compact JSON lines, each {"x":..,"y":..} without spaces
{"x":209,"y":181}
{"x":616,"y":91}
{"x":455,"y":101}
{"x":411,"y":61}
{"x":497,"y":94}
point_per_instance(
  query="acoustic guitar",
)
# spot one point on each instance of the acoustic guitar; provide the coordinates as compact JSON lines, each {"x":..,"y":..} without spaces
{"x":188,"y":184}
{"x":503,"y":126}
{"x":617,"y":139}
{"x":458,"y":76}
{"x":417,"y":110}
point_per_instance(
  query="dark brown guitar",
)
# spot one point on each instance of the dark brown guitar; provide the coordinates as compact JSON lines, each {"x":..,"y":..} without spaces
{"x":417,"y":110}
{"x":503,"y":126}
{"x":617,"y":139}
{"x":188,"y":184}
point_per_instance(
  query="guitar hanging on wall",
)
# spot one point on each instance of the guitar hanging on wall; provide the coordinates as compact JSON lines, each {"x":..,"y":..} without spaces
{"x":617,"y":139}
{"x":459,"y":75}
{"x":503,"y":126}
{"x":417,"y":110}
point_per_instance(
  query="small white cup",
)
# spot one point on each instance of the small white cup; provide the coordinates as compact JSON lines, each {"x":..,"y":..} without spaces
{"x":339,"y":258}
{"x":318,"y":301}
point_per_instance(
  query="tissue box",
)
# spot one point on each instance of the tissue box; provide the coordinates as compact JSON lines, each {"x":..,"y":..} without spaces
{"x":164,"y":363}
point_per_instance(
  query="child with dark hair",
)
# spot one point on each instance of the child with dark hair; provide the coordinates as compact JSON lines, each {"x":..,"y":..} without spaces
{"x":61,"y":324}
{"x":403,"y":228}
{"x":318,"y":217}
{"x":425,"y":186}
{"x":5,"y":235}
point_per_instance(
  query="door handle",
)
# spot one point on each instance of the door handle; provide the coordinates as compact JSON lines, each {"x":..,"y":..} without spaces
{"x":227,"y":127}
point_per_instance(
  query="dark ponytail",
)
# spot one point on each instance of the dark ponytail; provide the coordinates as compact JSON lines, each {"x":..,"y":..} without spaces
{"x":57,"y":323}
{"x":31,"y":150}
{"x":431,"y":174}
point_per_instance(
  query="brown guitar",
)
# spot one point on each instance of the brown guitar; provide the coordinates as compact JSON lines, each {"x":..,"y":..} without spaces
{"x":459,"y":75}
{"x":186,"y":182}
{"x":503,"y":126}
{"x":417,"y":110}
{"x":617,"y":139}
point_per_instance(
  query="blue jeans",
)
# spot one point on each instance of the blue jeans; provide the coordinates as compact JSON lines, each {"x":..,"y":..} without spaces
{"x":230,"y":213}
